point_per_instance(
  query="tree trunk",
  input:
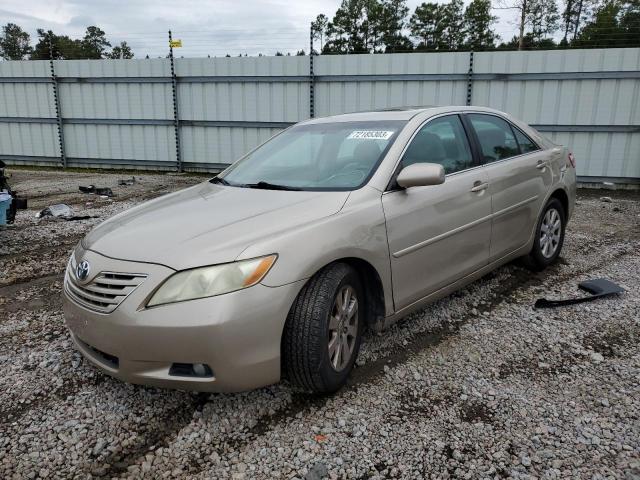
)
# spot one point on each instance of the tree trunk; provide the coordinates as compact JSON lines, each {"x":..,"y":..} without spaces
{"x":578,"y":15}
{"x":523,"y":17}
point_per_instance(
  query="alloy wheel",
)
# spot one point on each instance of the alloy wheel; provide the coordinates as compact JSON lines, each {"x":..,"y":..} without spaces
{"x":343,"y":327}
{"x":550,"y":231}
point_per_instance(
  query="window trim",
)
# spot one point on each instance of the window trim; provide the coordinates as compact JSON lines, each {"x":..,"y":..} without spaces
{"x":513,"y":127}
{"x":392,"y":186}
{"x":516,"y":129}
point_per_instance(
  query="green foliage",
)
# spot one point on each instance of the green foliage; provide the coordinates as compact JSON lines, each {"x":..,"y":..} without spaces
{"x":478,"y":22}
{"x":615,"y":24}
{"x":543,"y":17}
{"x":94,"y":43}
{"x":93,"y":46}
{"x":122,"y":51}
{"x":14,"y":42}
{"x":454,"y":33}
{"x":427,"y":25}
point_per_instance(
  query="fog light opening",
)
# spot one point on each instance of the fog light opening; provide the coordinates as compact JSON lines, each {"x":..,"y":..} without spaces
{"x":197,"y":370}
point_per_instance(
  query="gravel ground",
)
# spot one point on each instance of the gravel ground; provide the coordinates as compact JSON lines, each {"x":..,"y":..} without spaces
{"x":478,"y":385}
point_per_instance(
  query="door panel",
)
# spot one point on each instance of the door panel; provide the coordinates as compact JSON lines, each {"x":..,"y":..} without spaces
{"x":437,"y":233}
{"x":518,"y":188}
{"x":519,"y":178}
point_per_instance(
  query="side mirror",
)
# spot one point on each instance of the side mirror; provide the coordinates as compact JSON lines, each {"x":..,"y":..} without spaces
{"x":421,"y":175}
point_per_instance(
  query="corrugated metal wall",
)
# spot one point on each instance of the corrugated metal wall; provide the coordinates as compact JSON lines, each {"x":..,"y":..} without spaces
{"x":121,"y":112}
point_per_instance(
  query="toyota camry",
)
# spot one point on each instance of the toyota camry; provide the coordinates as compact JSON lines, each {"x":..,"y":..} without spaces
{"x":274,"y":268}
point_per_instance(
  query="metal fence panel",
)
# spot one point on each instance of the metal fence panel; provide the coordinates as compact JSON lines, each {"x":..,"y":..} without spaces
{"x":28,"y":139}
{"x":361,"y":92}
{"x":133,"y":142}
{"x":121,"y":112}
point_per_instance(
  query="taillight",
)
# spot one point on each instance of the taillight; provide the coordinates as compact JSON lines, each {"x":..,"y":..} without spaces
{"x":571,"y":160}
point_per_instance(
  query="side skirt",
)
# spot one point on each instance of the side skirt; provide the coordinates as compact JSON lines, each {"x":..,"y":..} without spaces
{"x":452,"y":287}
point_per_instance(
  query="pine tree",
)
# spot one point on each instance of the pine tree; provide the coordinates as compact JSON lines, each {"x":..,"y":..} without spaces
{"x":427,"y":25}
{"x":14,"y":42}
{"x":454,"y":33}
{"x":94,"y":42}
{"x":122,"y":51}
{"x":478,"y":25}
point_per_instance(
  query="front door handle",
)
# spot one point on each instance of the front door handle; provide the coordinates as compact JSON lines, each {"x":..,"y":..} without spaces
{"x":479,"y":186}
{"x":541,"y":164}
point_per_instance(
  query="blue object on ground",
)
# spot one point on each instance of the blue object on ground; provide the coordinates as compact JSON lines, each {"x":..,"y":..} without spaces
{"x":5,"y":203}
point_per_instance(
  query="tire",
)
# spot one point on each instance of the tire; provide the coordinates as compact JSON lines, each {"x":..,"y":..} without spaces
{"x":548,"y":241}
{"x":312,"y":324}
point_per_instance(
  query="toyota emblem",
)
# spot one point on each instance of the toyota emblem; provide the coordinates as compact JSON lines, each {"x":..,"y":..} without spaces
{"x":82,"y":270}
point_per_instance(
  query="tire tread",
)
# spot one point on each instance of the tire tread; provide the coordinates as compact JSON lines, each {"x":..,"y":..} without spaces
{"x":302,"y":354}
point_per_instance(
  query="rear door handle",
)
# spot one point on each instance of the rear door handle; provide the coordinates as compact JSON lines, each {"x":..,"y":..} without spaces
{"x":479,"y":186}
{"x":540,"y":165}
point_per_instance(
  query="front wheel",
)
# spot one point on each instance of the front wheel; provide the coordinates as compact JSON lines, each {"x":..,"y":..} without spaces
{"x":549,"y":236}
{"x":323,"y":331}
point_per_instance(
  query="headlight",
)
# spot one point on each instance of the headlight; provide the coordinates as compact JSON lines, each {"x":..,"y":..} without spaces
{"x":214,"y":280}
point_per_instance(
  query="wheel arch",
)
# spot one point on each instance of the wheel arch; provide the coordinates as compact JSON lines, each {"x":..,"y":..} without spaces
{"x":372,"y":285}
{"x":563,"y":198}
{"x":373,"y":290}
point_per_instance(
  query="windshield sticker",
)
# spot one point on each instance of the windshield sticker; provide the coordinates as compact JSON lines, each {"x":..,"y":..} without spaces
{"x":370,"y":135}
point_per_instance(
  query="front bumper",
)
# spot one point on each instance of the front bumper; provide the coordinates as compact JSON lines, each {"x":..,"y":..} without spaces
{"x":237,"y":334}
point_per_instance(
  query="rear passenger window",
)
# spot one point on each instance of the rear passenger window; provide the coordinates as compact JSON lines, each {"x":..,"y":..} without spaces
{"x":496,"y":137}
{"x":526,"y":144}
{"x":441,"y":141}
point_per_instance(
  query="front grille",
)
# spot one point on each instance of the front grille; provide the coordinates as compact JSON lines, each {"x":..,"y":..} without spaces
{"x":105,"y":292}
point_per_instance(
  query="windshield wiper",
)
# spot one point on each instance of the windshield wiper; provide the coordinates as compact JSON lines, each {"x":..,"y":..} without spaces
{"x":219,"y":180}
{"x":270,"y":186}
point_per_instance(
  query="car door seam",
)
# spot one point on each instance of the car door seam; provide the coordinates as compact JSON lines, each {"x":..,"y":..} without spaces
{"x":437,"y":238}
{"x":514,"y":206}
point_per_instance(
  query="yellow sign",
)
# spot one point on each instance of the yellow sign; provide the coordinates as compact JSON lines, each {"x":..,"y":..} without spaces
{"x":175,"y":43}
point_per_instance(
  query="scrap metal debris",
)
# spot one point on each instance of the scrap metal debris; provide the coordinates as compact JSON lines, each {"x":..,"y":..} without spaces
{"x":102,"y":191}
{"x":600,"y":287}
{"x":127,"y":181}
{"x":63,"y":211}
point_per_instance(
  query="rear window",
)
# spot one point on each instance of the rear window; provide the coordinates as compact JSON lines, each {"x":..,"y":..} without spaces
{"x":496,"y":137}
{"x":526,"y":144}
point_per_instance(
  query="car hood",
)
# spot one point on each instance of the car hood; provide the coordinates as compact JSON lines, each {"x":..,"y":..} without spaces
{"x":207,"y":224}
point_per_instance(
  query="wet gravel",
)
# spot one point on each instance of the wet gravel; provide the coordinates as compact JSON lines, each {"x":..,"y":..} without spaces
{"x":478,"y":385}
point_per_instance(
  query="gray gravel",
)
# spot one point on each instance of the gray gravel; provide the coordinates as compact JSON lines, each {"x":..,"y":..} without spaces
{"x":478,"y":385}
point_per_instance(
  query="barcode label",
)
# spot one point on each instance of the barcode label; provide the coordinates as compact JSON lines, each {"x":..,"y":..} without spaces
{"x":370,"y":135}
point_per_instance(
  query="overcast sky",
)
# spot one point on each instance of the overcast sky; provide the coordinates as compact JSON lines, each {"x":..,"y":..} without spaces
{"x":213,"y":27}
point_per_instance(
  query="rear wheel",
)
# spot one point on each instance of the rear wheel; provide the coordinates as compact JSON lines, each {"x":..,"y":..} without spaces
{"x":324,"y":329}
{"x":549,"y":236}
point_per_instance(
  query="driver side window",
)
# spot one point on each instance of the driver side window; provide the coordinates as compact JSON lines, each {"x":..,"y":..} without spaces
{"x":442,"y":141}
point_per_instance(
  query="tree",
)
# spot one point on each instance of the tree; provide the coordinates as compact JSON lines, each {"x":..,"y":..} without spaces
{"x":543,"y":18}
{"x":453,"y":34}
{"x":122,"y":51}
{"x":63,"y":47}
{"x":478,"y":25}
{"x":615,"y":24}
{"x":345,"y":31}
{"x":575,"y":13}
{"x":94,"y":42}
{"x":14,"y":42}
{"x":391,"y":23}
{"x":538,"y":17}
{"x":319,"y":28}
{"x":427,"y":25}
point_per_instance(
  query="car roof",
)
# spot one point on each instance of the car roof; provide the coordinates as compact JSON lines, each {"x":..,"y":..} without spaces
{"x":394,"y":113}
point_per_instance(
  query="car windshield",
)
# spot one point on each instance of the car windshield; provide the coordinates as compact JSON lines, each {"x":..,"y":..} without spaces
{"x":322,"y":156}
